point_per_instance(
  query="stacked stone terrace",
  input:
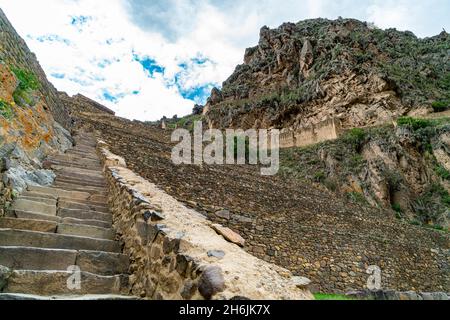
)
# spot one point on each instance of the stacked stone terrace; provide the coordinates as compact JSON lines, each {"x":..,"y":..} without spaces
{"x":308,"y":230}
{"x":49,"y":232}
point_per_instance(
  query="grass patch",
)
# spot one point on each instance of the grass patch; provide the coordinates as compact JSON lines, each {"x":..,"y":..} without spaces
{"x":6,"y":110}
{"x":442,"y":172}
{"x":28,"y":82}
{"x":413,"y":123}
{"x":440,"y":106}
{"x":356,"y":197}
{"x":27,"y":79}
{"x":355,"y":137}
{"x":324,"y":296}
{"x":397,"y":208}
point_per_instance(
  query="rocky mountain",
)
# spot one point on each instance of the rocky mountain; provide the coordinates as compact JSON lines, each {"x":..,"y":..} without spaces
{"x":300,"y":74}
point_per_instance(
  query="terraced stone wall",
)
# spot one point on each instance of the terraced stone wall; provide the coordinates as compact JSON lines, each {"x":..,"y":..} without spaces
{"x":175,"y":252}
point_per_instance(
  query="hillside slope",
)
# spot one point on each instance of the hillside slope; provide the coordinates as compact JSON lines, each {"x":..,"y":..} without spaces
{"x":294,"y":224}
{"x":301,"y":74}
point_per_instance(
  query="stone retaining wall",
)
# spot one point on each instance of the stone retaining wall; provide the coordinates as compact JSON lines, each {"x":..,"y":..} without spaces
{"x":326,"y":130}
{"x":336,"y":259}
{"x":176,"y":253}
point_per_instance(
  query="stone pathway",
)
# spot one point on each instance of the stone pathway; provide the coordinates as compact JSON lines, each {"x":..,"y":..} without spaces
{"x":52,"y":232}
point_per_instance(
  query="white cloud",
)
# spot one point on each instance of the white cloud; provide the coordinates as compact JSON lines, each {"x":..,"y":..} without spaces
{"x":97,"y":57}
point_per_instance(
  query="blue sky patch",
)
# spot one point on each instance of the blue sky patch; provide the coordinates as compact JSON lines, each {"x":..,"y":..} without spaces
{"x":80,"y":21}
{"x":109,"y":96}
{"x":197,"y":94}
{"x":149,"y":64}
{"x":53,"y":38}
{"x":58,"y":75}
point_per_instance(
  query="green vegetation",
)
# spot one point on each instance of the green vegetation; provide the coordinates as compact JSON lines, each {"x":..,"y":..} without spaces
{"x":6,"y":110}
{"x":432,"y":205}
{"x":397,"y":208}
{"x":442,"y":172}
{"x":440,"y":106}
{"x":320,"y":176}
{"x":28,"y":82}
{"x":23,"y":98}
{"x":414,"y":123}
{"x":356,"y":197}
{"x":323,"y":296}
{"x":355,"y":137}
{"x":27,"y":79}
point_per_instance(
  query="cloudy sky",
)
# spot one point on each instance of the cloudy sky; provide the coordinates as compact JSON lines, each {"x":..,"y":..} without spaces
{"x":149,"y":58}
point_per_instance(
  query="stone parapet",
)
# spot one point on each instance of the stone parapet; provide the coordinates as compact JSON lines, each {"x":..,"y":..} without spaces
{"x":176,"y":254}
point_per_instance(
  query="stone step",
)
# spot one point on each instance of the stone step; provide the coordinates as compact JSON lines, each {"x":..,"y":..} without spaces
{"x":103,"y":263}
{"x":82,"y":154}
{"x":62,"y":227}
{"x":34,"y":194}
{"x":56,"y":282}
{"x":39,"y":217}
{"x":88,"y":222}
{"x":96,"y":178}
{"x":21,"y":238}
{"x":27,"y":224}
{"x":59,"y":192}
{"x":79,"y":182}
{"x":74,"y":205}
{"x":97,"y":262}
{"x":32,"y":216}
{"x":85,"y":231}
{"x":54,"y":164}
{"x":71,"y":187}
{"x":48,"y":201}
{"x":98,"y":198}
{"x":33,"y":206}
{"x":87,"y":297}
{"x":78,"y":171}
{"x":86,"y":202}
{"x":71,"y":158}
{"x":85,"y":215}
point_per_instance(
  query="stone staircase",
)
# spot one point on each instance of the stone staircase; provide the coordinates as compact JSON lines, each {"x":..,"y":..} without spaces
{"x":54,"y":236}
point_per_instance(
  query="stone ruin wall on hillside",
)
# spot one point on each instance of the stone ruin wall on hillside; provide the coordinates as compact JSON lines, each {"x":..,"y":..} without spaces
{"x":337,"y":260}
{"x":176,"y":253}
{"x":80,"y":103}
{"x":329,"y":129}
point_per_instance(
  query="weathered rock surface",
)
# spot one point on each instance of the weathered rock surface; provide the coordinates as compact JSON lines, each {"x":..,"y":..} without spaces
{"x":301,"y":74}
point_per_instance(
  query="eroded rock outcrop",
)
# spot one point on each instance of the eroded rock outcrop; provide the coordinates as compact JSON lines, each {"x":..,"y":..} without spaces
{"x":301,"y":74}
{"x":33,"y":122}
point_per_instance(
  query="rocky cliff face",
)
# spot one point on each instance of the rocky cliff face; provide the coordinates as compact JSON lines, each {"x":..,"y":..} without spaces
{"x":33,"y":122}
{"x":301,"y":74}
{"x":404,"y":168}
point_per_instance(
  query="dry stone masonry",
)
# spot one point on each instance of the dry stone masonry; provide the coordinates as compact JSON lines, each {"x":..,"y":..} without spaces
{"x":176,"y":253}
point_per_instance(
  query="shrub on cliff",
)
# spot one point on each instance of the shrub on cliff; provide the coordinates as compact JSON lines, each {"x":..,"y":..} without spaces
{"x":28,"y":82}
{"x":355,"y":137}
{"x":413,"y":123}
{"x":6,"y":110}
{"x":27,"y":79}
{"x":439,"y":106}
